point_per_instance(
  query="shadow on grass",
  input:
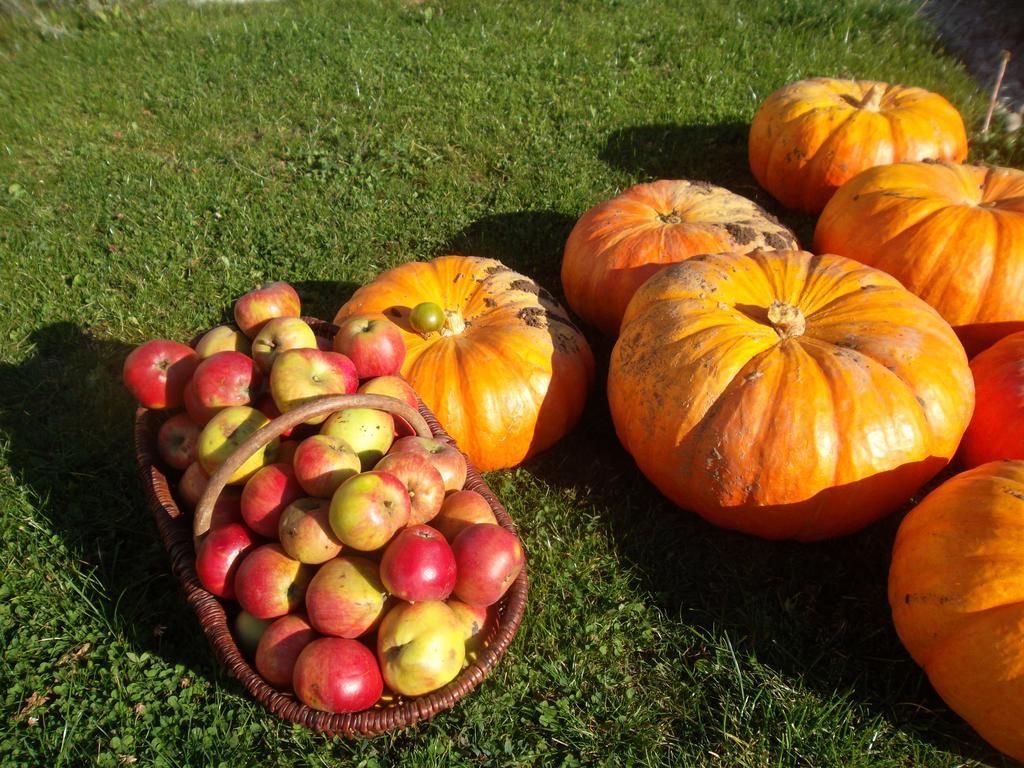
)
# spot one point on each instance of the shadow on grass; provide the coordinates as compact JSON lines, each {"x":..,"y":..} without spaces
{"x":323,"y":298}
{"x":715,"y":153}
{"x":816,"y":613}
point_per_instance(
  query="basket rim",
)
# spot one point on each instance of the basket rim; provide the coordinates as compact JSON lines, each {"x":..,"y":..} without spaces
{"x":175,"y":527}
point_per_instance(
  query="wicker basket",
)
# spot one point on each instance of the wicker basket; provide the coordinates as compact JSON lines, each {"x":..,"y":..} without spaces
{"x":176,"y":531}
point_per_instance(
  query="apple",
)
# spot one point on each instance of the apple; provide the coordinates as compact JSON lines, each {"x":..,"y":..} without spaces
{"x":488,"y":558}
{"x":176,"y":441}
{"x":286,"y":451}
{"x":248,"y":631}
{"x":269,"y":584}
{"x":447,"y":458}
{"x":398,"y":388}
{"x":335,"y":674}
{"x":223,"y":338}
{"x":192,"y":484}
{"x":346,"y":597}
{"x":324,"y":344}
{"x":305,"y":531}
{"x":418,"y":565}
{"x":225,"y":432}
{"x":265,"y":496}
{"x":198,"y":412}
{"x":460,"y":510}
{"x":219,"y":555}
{"x":301,"y":375}
{"x":157,"y":371}
{"x":227,"y":508}
{"x":279,"y":335}
{"x":226,"y":378}
{"x":478,"y":623}
{"x":279,"y":648}
{"x":367,"y":509}
{"x":421,"y":479}
{"x":322,"y":463}
{"x":264,"y":304}
{"x":268,"y":408}
{"x":420,"y":647}
{"x":373,"y":343}
{"x":367,"y":431}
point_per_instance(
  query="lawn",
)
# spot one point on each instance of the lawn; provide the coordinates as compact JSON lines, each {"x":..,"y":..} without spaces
{"x":158,"y":160}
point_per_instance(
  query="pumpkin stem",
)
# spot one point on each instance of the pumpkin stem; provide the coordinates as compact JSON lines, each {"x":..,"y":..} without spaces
{"x":873,"y":98}
{"x":787,"y":320}
{"x":453,"y":323}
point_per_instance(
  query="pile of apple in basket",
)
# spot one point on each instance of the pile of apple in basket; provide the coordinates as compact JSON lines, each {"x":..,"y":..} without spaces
{"x":323,"y":537}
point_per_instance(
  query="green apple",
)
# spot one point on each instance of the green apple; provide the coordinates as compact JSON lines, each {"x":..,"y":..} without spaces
{"x":227,"y":430}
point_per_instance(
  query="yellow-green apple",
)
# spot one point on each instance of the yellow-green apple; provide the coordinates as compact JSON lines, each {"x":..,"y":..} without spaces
{"x":346,"y":597}
{"x":488,"y":558}
{"x":367,"y":509}
{"x":157,"y":371}
{"x":223,"y":338}
{"x":219,"y":555}
{"x":248,"y":631}
{"x":322,"y":463}
{"x":269,"y":583}
{"x":367,"y":431}
{"x":305,"y":532}
{"x":226,"y":378}
{"x":265,"y":496}
{"x":335,"y":674}
{"x":373,"y":343}
{"x":227,"y":508}
{"x":176,"y":441}
{"x":265,"y":303}
{"x":447,"y":458}
{"x":198,"y":412}
{"x":420,"y":647}
{"x":225,"y":432}
{"x":192,"y":484}
{"x":278,"y":336}
{"x":398,"y":388}
{"x":418,"y":565}
{"x":477,"y":622}
{"x":462,"y":509}
{"x":421,"y":479}
{"x":301,"y":375}
{"x":280,"y":646}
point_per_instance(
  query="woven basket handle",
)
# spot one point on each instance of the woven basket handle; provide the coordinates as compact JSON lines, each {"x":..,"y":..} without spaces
{"x":284,"y":422}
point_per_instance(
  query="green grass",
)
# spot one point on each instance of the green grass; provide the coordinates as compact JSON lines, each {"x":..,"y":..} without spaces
{"x":156,"y":161}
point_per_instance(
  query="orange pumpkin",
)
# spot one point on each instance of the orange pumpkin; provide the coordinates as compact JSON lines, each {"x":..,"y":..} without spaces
{"x":956,"y":589}
{"x":996,"y":430}
{"x":785,"y":394}
{"x":507,"y":375}
{"x":618,"y":244}
{"x":952,"y":234}
{"x":810,"y":136}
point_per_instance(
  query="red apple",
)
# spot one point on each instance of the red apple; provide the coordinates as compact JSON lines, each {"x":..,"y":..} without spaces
{"x":226,"y":378}
{"x":305,"y":531}
{"x":421,"y":480}
{"x":223,"y":338}
{"x":157,"y":371}
{"x":176,"y":441}
{"x":346,"y":597}
{"x":248,"y":631}
{"x":286,"y":451}
{"x":268,"y":408}
{"x":447,"y":458}
{"x":367,"y":431}
{"x":420,"y":647}
{"x":225,"y":432}
{"x":301,"y":375}
{"x":488,"y":558}
{"x":324,"y":344}
{"x":192,"y":484}
{"x":373,"y":343}
{"x":265,"y":496}
{"x":227,"y":508}
{"x":418,"y":565}
{"x":269,"y":584}
{"x":278,"y":336}
{"x":334,"y":674}
{"x":264,"y":304}
{"x":478,"y":623}
{"x":322,"y":463}
{"x":398,"y":388}
{"x":460,"y":510}
{"x":279,"y":648}
{"x":198,"y":412}
{"x":367,"y":509}
{"x":218,"y":557}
